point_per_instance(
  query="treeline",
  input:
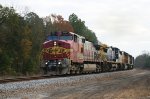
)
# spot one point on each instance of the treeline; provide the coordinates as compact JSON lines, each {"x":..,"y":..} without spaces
{"x":143,"y":60}
{"x":21,"y":38}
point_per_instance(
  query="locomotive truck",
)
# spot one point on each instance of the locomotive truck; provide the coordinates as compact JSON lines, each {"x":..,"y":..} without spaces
{"x":70,"y":53}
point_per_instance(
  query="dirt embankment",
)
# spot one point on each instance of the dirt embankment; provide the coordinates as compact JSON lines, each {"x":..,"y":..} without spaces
{"x":131,"y":84}
{"x":135,"y":86}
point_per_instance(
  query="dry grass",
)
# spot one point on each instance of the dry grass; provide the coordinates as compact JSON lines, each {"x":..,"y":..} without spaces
{"x":137,"y":90}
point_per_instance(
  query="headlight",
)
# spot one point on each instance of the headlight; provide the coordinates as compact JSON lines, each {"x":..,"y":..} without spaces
{"x":55,"y":43}
{"x":59,"y":63}
{"x":46,"y":63}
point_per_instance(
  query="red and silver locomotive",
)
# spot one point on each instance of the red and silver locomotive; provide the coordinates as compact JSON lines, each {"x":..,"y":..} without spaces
{"x":69,"y":53}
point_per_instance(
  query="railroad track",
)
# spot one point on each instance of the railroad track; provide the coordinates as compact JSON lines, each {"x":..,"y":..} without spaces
{"x":19,"y":79}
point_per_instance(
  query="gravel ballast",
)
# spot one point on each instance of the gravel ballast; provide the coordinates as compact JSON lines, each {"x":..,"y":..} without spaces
{"x":21,"y":89}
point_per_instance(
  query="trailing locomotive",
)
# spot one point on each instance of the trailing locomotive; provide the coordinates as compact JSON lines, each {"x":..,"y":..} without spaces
{"x":70,"y":53}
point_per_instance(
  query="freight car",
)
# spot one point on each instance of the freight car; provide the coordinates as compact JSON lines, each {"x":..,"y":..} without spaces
{"x":70,"y":53}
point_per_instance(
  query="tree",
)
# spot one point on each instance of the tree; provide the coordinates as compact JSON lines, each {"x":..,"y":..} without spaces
{"x":17,"y":41}
{"x":143,"y":60}
{"x":36,"y":25}
{"x":77,"y":24}
{"x":48,"y":25}
{"x":9,"y":26}
{"x":80,"y":28}
{"x":57,"y":23}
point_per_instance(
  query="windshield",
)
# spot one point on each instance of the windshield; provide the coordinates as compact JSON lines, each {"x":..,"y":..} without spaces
{"x":59,"y":38}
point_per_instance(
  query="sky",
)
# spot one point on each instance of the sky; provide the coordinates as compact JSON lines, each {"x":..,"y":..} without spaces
{"x":120,"y":23}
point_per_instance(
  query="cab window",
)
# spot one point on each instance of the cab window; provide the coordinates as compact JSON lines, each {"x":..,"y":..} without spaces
{"x":75,"y":38}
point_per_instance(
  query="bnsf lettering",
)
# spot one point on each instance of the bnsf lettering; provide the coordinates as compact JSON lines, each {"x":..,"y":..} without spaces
{"x":56,"y":50}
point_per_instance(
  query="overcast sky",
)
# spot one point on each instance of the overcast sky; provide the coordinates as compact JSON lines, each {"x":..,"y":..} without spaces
{"x":121,"y":23}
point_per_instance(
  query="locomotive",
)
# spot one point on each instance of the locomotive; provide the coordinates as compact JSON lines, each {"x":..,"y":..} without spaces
{"x":70,"y":53}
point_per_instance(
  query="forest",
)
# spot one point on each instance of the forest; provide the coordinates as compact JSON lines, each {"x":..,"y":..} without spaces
{"x":21,"y":37}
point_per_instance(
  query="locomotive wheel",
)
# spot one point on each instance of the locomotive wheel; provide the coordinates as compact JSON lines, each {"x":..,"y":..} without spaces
{"x":72,"y":72}
{"x":77,"y":72}
{"x":109,"y":67}
{"x":119,"y":66}
{"x":123,"y":67}
{"x":98,"y":68}
{"x":98,"y":71}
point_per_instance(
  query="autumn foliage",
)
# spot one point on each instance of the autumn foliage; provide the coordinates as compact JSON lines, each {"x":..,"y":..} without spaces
{"x":57,"y":23}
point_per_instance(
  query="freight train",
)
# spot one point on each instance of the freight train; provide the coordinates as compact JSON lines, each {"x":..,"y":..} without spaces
{"x":70,"y":53}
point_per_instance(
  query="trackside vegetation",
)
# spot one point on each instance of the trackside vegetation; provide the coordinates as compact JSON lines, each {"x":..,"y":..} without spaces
{"x":143,"y":60}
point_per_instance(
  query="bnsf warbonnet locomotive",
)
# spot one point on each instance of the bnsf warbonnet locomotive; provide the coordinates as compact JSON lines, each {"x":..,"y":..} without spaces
{"x":69,"y":53}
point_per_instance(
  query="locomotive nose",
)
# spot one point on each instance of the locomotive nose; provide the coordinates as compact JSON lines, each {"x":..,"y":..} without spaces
{"x":56,"y":50}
